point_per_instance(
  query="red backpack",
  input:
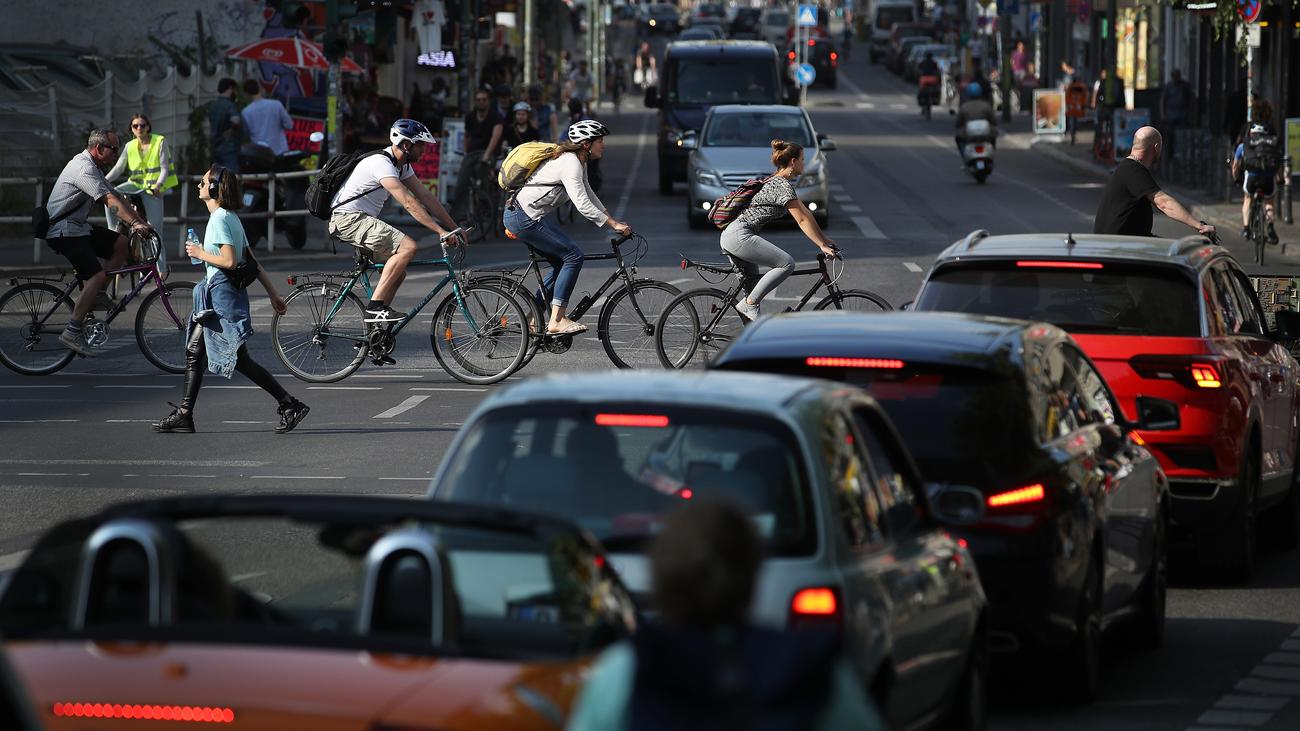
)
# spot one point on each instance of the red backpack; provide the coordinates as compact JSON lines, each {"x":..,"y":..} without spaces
{"x":726,"y":208}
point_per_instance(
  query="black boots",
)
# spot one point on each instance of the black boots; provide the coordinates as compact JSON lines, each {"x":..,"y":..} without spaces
{"x":179,"y":421}
{"x":290,"y":414}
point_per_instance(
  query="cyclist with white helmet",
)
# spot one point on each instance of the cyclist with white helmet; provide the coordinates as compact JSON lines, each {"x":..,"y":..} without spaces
{"x":357,"y":205}
{"x":560,"y":179}
{"x":521,"y":127}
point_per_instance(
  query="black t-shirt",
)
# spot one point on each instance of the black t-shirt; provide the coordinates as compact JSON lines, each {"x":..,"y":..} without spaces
{"x":515,"y":138}
{"x":478,"y":133}
{"x":1124,"y":208}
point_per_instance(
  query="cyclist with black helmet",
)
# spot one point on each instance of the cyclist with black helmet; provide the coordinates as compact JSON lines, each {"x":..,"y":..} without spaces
{"x":560,"y":179}
{"x":357,"y":205}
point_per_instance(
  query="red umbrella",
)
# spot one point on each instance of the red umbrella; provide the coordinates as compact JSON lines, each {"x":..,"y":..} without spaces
{"x":295,"y":52}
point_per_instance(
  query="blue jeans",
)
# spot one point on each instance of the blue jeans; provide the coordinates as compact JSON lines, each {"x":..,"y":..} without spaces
{"x":555,"y":246}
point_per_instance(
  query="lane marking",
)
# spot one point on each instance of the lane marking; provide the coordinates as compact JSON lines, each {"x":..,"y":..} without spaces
{"x":1251,"y":702}
{"x":130,"y":421}
{"x":52,"y":474}
{"x":1283,"y":658}
{"x":842,"y":197}
{"x":1267,"y":687}
{"x":245,"y":422}
{"x":1275,"y":673}
{"x":898,"y":106}
{"x":413,"y":479}
{"x":410,"y":403}
{"x":345,"y":388}
{"x":195,"y":477}
{"x":236,"y":388}
{"x":298,"y":477}
{"x":636,"y":167}
{"x":141,"y":462}
{"x":448,"y":388}
{"x":867,"y":227}
{"x":39,"y":421}
{"x":912,"y":266}
{"x":680,"y":280}
{"x":27,"y":387}
{"x":850,"y":208}
{"x":385,"y":375}
{"x":865,"y":105}
{"x":131,"y":385}
{"x":1235,"y":718}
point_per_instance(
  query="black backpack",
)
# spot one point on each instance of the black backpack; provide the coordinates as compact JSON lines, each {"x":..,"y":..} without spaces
{"x":1262,"y":153}
{"x":332,"y":178}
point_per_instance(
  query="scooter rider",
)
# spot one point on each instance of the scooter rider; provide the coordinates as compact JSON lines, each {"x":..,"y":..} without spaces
{"x":974,"y":108}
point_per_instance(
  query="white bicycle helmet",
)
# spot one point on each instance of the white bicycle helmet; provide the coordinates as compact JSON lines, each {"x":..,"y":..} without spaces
{"x":521,"y":107}
{"x":410,"y":130}
{"x":587,"y":129}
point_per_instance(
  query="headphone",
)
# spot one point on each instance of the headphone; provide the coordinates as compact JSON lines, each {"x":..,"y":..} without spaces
{"x":214,"y":182}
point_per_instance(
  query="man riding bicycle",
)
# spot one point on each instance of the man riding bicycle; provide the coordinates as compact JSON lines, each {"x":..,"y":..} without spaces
{"x":928,"y":83}
{"x":80,"y":186}
{"x":484,"y":129}
{"x":355,"y":218}
{"x":1258,"y":156}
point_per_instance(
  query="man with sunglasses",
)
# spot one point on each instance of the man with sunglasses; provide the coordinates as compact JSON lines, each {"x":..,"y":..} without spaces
{"x":80,"y":186}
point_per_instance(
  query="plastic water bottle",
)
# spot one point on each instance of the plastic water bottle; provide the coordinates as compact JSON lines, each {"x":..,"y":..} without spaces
{"x":193,"y":238}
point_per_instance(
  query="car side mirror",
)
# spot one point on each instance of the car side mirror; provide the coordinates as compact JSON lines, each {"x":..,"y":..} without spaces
{"x":652,"y":97}
{"x":957,"y":504}
{"x":906,"y":305}
{"x":1157,"y":414}
{"x":1288,"y":325}
{"x":689,"y":140}
{"x":825,"y":143}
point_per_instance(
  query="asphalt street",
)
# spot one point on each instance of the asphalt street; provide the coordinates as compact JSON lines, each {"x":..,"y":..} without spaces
{"x":78,"y":440}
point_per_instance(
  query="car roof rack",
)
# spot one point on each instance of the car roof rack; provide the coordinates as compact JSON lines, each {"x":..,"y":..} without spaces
{"x":1186,"y":244}
{"x":973,"y":238}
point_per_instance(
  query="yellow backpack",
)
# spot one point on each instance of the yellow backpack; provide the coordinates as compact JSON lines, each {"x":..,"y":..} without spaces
{"x":522,"y":162}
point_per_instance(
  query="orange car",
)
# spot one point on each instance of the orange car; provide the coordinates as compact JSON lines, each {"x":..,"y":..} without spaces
{"x":310,"y":612}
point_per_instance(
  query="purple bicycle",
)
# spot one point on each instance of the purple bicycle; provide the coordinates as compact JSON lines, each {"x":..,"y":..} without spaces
{"x":34,"y":312}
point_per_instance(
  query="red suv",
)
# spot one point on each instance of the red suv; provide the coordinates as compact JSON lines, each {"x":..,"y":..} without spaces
{"x":1173,"y":319}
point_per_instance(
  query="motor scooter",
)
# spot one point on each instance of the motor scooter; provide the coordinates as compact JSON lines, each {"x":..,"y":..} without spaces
{"x":977,"y":148}
{"x":289,"y":193}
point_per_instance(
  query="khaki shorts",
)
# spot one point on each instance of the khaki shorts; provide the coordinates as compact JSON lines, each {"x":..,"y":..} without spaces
{"x":364,"y":231}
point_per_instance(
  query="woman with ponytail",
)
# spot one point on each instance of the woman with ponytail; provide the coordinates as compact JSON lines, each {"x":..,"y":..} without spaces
{"x":741,"y":237}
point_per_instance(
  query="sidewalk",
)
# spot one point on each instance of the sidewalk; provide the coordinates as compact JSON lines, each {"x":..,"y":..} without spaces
{"x":1225,"y":215}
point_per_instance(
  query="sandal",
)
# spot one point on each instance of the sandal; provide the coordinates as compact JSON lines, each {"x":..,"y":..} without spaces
{"x":573,"y":329}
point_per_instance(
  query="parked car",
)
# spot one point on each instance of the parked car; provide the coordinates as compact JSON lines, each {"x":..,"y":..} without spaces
{"x":852,"y":542}
{"x":1026,"y":457}
{"x":884,"y":15}
{"x":898,"y":57}
{"x":734,"y":145}
{"x":821,"y":53}
{"x":775,"y":24}
{"x":663,"y":18}
{"x":275,"y":612}
{"x":745,"y":24}
{"x":1174,"y":319}
{"x":695,"y":76}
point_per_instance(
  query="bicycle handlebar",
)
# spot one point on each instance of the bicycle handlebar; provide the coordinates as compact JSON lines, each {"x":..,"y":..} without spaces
{"x":622,"y":238}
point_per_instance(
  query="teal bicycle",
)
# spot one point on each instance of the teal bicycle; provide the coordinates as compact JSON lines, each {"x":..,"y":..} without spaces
{"x":479,"y":332}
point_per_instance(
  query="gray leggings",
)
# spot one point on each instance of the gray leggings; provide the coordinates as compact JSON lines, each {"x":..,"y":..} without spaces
{"x":752,"y":251}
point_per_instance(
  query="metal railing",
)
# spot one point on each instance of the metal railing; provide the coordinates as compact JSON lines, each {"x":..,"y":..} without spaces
{"x":183,"y":221}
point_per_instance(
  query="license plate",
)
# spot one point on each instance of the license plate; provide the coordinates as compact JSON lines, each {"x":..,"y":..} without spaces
{"x":248,"y":200}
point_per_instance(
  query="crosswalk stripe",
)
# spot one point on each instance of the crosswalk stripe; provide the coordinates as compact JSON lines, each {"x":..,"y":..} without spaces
{"x":868,"y":227}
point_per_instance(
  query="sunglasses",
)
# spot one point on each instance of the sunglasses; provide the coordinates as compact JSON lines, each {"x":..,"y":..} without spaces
{"x":114,"y":148}
{"x":139,"y":126}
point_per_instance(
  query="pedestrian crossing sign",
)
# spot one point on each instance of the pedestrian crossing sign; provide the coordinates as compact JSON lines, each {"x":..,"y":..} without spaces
{"x":807,"y":16}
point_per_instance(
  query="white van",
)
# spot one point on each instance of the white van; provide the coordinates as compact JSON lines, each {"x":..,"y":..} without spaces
{"x":774,"y":26}
{"x":883,"y":15}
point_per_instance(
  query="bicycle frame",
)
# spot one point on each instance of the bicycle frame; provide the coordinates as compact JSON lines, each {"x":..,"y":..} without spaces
{"x":823,"y":281}
{"x":150,"y":274}
{"x":362,"y":276}
{"x":584,"y":304}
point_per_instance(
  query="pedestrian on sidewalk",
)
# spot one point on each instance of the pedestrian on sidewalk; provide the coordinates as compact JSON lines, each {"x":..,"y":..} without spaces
{"x":702,"y":665}
{"x":266,"y":119}
{"x":1127,"y":200}
{"x":225,"y":126}
{"x":79,"y":186}
{"x":222,"y":324}
{"x":147,"y":161}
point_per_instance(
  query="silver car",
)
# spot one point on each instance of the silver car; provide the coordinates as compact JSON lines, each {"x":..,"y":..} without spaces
{"x":734,"y":145}
{"x":853,"y":545}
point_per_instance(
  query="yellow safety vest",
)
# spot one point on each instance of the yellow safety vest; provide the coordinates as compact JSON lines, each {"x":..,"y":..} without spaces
{"x":145,"y":170}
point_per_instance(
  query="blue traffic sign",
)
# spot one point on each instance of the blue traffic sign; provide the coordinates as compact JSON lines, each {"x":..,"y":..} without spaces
{"x":804,"y":73}
{"x":807,"y":16}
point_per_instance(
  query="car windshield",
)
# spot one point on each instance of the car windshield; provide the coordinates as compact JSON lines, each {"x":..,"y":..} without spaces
{"x":962,"y":425}
{"x":778,"y":19}
{"x":887,"y":16}
{"x":617,"y":471}
{"x":1116,"y":299}
{"x":724,"y":81}
{"x":756,"y":129}
{"x":710,"y":10}
{"x":277,"y":580}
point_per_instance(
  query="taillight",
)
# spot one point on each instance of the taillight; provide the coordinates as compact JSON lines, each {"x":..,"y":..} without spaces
{"x":882,"y":363}
{"x":812,"y":41}
{"x":815,"y":607}
{"x":1019,"y":496}
{"x":1060,"y":265}
{"x":144,"y":712}
{"x":1191,"y":371}
{"x":979,"y":149}
{"x":791,"y":55}
{"x":834,"y":55}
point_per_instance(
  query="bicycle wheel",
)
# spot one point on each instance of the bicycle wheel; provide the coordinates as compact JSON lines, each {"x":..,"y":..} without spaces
{"x":628,"y":320}
{"x":315,"y":350}
{"x":479,"y":335}
{"x":695,"y":327}
{"x":162,"y":324}
{"x":482,"y":210}
{"x":32,"y":316}
{"x":854,"y":300}
{"x":524,"y":296}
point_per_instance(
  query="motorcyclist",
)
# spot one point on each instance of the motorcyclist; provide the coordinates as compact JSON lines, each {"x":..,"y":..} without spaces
{"x":928,"y":79}
{"x":975,"y":107}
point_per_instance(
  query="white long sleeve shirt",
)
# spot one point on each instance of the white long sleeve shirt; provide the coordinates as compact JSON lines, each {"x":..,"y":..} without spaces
{"x":557,"y":181}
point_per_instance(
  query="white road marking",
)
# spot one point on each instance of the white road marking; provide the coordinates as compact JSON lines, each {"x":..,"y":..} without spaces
{"x":447,"y":388}
{"x":626,"y":196}
{"x":385,"y":375}
{"x":39,"y":421}
{"x":246,"y":577}
{"x":298,"y":477}
{"x":235,"y":388}
{"x":1235,"y":718}
{"x":865,"y":105}
{"x":245,"y":422}
{"x":27,"y":387}
{"x":1086,"y":186}
{"x":401,"y":408}
{"x":191,"y":477}
{"x":154,"y":374}
{"x":1267,"y":687}
{"x":854,"y":88}
{"x":898,"y":106}
{"x":413,"y":479}
{"x":11,"y":561}
{"x":131,"y":385}
{"x":1275,"y":673}
{"x":130,"y":421}
{"x":1283,"y":658}
{"x":912,"y":266}
{"x":842,"y":198}
{"x":141,"y":462}
{"x":345,"y":388}
{"x":1251,"y":702}
{"x":682,"y":280}
{"x":850,"y":208}
{"x":868,"y":227}
{"x":52,"y":474}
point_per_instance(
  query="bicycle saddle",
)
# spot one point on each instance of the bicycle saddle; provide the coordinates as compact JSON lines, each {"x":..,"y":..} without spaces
{"x":731,"y":266}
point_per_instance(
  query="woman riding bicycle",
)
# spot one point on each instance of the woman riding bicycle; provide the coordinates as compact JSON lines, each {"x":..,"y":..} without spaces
{"x":147,"y":160}
{"x":740,"y":238}
{"x":560,"y":179}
